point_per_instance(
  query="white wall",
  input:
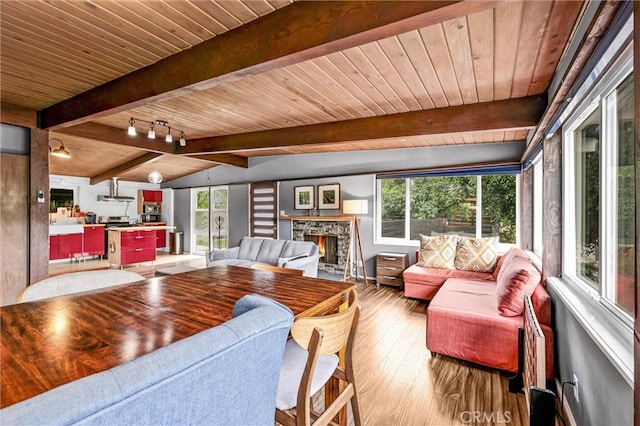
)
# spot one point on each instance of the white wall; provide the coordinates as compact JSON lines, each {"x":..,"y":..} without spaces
{"x":86,"y":196}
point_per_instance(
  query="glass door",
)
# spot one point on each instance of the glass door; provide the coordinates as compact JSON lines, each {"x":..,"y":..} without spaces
{"x":209,"y":218}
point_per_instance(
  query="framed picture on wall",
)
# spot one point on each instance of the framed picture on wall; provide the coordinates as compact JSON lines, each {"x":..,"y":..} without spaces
{"x":304,"y":197}
{"x":329,"y":196}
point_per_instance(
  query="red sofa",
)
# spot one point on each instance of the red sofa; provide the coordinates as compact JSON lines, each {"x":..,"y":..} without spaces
{"x":476,"y":317}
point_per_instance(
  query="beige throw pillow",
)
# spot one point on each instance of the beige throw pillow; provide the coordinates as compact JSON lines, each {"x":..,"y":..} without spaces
{"x":437,"y":252}
{"x":476,"y":254}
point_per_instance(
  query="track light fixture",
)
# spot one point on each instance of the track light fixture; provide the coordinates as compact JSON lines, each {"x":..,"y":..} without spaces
{"x":151,"y":134}
{"x":59,"y":152}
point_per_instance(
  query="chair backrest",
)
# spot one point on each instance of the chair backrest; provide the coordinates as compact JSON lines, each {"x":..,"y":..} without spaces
{"x":77,"y":282}
{"x":226,"y":375}
{"x":265,"y":267}
{"x":336,"y":328}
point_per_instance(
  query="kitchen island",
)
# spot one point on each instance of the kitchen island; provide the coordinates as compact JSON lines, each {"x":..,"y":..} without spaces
{"x":133,"y":244}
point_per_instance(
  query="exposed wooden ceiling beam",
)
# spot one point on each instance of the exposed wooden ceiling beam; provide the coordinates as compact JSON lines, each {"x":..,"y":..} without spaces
{"x":17,"y":115}
{"x":231,"y":159}
{"x":124,"y":167}
{"x":114,"y":135}
{"x":296,"y":33}
{"x":506,"y":114}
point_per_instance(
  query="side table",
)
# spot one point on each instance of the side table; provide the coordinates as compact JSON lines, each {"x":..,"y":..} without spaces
{"x":389,"y":268}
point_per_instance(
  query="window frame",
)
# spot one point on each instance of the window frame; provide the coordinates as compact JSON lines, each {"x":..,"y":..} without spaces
{"x":608,"y":325}
{"x":604,"y":97}
{"x":407,"y":242}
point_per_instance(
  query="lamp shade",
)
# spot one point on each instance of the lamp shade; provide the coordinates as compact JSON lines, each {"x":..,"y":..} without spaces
{"x":355,"y":207}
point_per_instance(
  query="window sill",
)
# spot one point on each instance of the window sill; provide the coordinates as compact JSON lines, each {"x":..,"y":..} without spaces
{"x":614,"y":338}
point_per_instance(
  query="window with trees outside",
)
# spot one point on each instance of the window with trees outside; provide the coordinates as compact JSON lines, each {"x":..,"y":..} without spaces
{"x":599,"y":175}
{"x":210,"y":218}
{"x":473,"y":206}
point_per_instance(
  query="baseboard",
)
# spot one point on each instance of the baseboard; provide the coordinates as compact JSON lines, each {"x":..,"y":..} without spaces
{"x":566,"y":409}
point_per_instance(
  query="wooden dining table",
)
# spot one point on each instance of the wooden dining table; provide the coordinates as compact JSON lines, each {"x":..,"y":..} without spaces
{"x":48,"y":343}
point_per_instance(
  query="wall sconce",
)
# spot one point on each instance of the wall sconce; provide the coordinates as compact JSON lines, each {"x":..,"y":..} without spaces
{"x":59,"y":152}
{"x":151,"y":134}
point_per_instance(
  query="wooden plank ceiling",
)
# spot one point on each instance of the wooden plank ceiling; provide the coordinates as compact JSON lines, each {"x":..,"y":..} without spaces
{"x":245,"y":79}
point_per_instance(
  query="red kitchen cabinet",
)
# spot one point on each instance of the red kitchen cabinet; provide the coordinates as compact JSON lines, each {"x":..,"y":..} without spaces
{"x":93,"y":240}
{"x":161,"y":234}
{"x":64,"y":246}
{"x":150,"y":196}
{"x":161,"y":238}
{"x":54,"y":252}
{"x":69,"y":244}
{"x":132,"y":246}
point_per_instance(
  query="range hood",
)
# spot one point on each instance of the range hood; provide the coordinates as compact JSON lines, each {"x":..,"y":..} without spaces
{"x":113,"y":193}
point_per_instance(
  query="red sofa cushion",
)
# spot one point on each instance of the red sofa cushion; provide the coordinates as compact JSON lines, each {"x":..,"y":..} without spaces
{"x":463,"y":322}
{"x":516,"y":278}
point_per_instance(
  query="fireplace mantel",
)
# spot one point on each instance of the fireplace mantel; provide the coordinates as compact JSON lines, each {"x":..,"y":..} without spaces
{"x":319,"y":218}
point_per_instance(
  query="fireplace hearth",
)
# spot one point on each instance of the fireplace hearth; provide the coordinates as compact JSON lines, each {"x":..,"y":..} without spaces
{"x":336,"y":247}
{"x":328,"y":245}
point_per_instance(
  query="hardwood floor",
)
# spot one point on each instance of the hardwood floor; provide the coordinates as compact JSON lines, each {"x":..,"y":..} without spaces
{"x":399,"y":382}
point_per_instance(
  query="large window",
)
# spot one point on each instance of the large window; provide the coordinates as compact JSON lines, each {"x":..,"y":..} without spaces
{"x":408,"y":207}
{"x":599,"y":222}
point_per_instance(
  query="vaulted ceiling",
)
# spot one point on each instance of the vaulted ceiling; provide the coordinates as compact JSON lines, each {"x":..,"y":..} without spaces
{"x":252,"y":78}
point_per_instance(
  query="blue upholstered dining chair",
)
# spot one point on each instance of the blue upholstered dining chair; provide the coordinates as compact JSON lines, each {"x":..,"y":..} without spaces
{"x":311,"y":359}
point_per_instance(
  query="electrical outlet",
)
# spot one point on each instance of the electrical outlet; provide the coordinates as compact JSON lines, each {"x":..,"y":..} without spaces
{"x":576,"y":390}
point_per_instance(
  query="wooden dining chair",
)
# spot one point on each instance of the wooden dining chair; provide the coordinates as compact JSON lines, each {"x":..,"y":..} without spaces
{"x":311,"y":359}
{"x":265,"y":267}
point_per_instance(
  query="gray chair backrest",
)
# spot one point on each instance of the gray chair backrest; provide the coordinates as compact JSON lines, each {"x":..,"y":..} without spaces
{"x":226,"y":375}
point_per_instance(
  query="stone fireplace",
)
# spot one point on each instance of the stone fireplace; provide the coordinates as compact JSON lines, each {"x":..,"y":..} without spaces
{"x":331,"y":235}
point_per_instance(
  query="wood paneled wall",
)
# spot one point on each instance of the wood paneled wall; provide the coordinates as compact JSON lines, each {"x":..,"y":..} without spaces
{"x":526,"y":209}
{"x":14,"y":226}
{"x":636,"y":68}
{"x":38,"y":211}
{"x":552,"y":206}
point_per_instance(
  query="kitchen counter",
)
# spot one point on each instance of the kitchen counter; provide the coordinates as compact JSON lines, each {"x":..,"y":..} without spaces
{"x":137,"y":228}
{"x":66,"y":229}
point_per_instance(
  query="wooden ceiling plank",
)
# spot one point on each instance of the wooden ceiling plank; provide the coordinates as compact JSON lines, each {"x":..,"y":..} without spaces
{"x":553,"y":44}
{"x":17,"y":115}
{"x":506,"y":114}
{"x":457,"y":35}
{"x":342,"y":77}
{"x":231,"y":159}
{"x":400,"y":60}
{"x":76,"y":29}
{"x":312,"y":75}
{"x":482,"y":42}
{"x":114,"y":135}
{"x":507,"y":30}
{"x":414,"y":46}
{"x":124,"y":167}
{"x":534,"y":20}
{"x":436,"y":44}
{"x":386,"y":77}
{"x":296,"y":33}
{"x":74,"y":48}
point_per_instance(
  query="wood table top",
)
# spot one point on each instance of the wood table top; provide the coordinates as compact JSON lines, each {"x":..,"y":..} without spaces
{"x":48,"y":343}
